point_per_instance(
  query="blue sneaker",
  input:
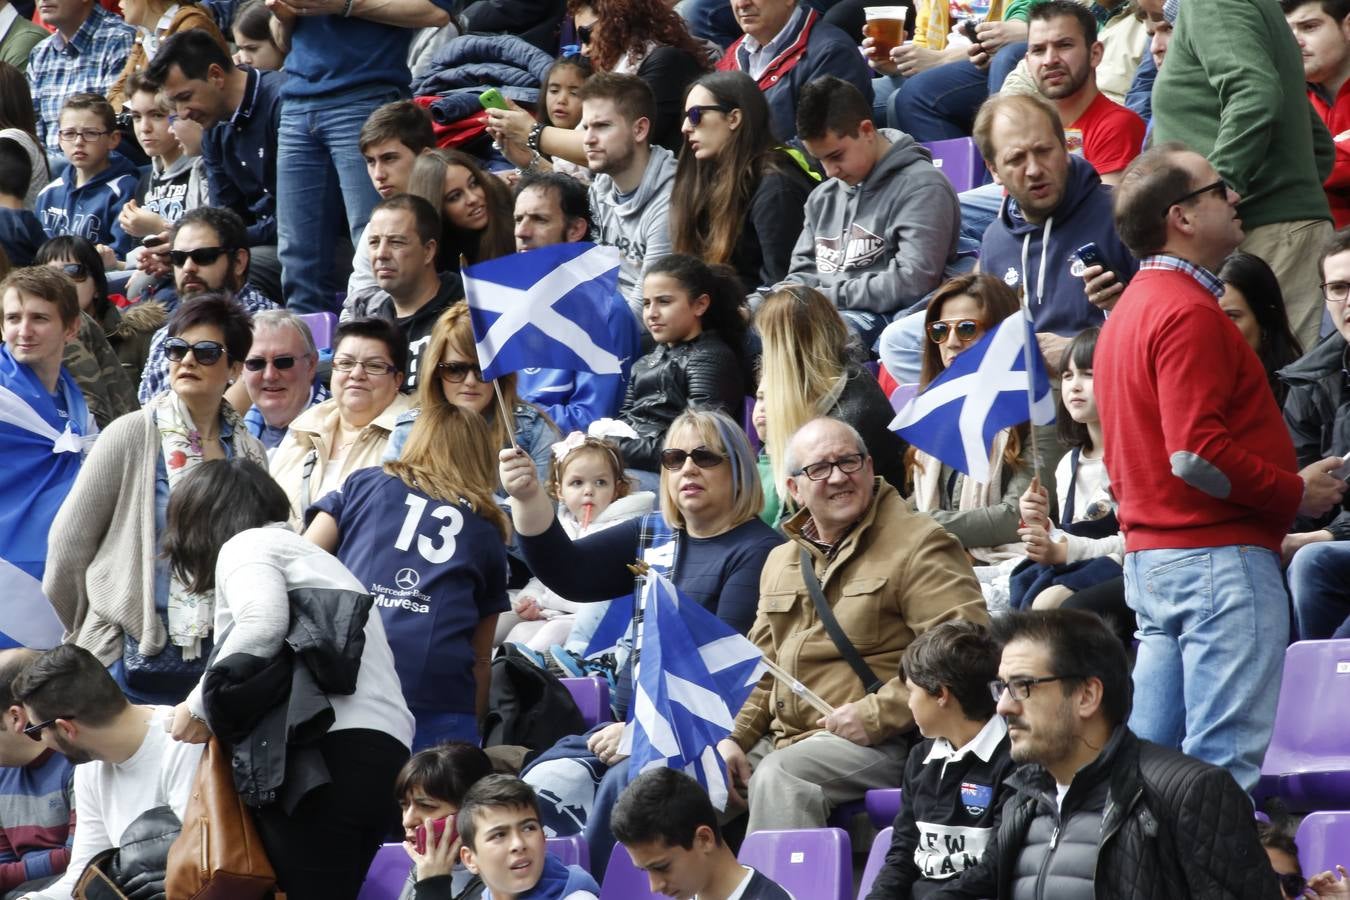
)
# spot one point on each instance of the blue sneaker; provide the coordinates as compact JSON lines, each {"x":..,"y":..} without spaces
{"x":533,"y":656}
{"x":569,"y":662}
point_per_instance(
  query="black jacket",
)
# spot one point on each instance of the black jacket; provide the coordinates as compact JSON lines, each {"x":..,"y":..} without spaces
{"x":1172,"y":826}
{"x":1317,"y":412}
{"x":772,"y":224}
{"x":863,"y":405}
{"x":272,"y":712}
{"x":703,"y":372}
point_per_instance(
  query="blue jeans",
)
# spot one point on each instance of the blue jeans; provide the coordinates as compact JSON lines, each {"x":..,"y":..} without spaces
{"x":1213,"y":625}
{"x":1318,"y":580}
{"x":711,"y":20}
{"x":319,"y":172}
{"x":434,"y":728}
{"x":941,"y":103}
{"x":900,"y":347}
{"x":979,"y":209}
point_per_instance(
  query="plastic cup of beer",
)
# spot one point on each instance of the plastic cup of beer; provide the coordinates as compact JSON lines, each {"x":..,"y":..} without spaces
{"x":886,"y":27}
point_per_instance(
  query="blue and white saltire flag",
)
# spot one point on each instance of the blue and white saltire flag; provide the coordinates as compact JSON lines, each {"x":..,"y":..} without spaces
{"x":693,"y":676}
{"x":983,"y":391}
{"x":544,"y":309}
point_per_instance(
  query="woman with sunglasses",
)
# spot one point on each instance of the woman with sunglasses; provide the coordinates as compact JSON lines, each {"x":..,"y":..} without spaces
{"x":707,"y":538}
{"x":739,"y":197}
{"x":105,"y":577}
{"x":984,"y":517}
{"x":349,"y":431}
{"x":809,"y":369}
{"x":1283,"y":854}
{"x":476,"y":208}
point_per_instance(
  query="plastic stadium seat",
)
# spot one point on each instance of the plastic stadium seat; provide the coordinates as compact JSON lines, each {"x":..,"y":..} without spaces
{"x":572,"y":850}
{"x":876,"y":858}
{"x":321,"y":325}
{"x":388,"y":871}
{"x":815,"y":863}
{"x":592,"y":698}
{"x":958,"y":159}
{"x":748,"y":423}
{"x":883,"y":805}
{"x":1308,"y":761}
{"x":625,"y":881}
{"x":1324,"y":842}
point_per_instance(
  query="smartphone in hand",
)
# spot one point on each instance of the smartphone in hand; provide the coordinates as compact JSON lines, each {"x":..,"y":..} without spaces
{"x":492,"y":99}
{"x":438,"y":827}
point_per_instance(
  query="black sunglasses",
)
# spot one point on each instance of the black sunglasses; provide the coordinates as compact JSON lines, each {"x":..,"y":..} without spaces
{"x":1219,"y":187}
{"x":455,"y":372}
{"x":34,"y":732}
{"x":77,"y":271}
{"x":202,"y":256}
{"x":1292,"y":883}
{"x":207,"y":353}
{"x":258,"y":363}
{"x":704,"y":458}
{"x":695,"y":113}
{"x":584,"y":33}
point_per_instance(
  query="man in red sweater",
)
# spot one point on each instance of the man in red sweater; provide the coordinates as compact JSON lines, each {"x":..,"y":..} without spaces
{"x":1204,"y":472}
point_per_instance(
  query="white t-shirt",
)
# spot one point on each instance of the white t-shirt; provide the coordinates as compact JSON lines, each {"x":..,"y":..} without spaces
{"x":109,"y":796}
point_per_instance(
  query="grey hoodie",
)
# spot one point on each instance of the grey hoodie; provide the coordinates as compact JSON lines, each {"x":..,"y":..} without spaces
{"x":884,"y":244}
{"x":637,"y":225}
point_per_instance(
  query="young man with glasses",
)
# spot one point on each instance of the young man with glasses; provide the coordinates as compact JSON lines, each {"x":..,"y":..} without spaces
{"x":888,"y":574}
{"x":1095,"y":811}
{"x":126,"y":762}
{"x":209,"y":253}
{"x":1204,"y":472}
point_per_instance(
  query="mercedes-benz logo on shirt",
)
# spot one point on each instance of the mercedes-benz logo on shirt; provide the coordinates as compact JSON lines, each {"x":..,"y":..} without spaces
{"x":407,"y":579}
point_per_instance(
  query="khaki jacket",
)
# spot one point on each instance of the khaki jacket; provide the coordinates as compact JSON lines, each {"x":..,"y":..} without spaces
{"x":896,"y":575}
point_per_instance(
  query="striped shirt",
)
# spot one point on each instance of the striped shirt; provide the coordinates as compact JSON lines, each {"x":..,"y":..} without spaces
{"x":89,"y":62}
{"x":37,"y":819}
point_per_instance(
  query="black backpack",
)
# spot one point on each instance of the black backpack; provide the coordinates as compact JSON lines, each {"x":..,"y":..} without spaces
{"x":527,"y":706}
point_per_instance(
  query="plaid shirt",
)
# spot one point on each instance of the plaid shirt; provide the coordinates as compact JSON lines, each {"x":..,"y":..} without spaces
{"x":1208,"y":280}
{"x":90,"y":61}
{"x":155,"y":377}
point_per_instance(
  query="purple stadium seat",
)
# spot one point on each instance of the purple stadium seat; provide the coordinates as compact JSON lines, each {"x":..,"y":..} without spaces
{"x":748,"y":423}
{"x":876,"y":858}
{"x":883,"y":804}
{"x":958,"y":159}
{"x":572,"y":850}
{"x":1323,"y":842}
{"x":321,"y":325}
{"x":1308,"y":761}
{"x":625,"y":881}
{"x":815,"y":863}
{"x":387,"y":873}
{"x":592,"y":698}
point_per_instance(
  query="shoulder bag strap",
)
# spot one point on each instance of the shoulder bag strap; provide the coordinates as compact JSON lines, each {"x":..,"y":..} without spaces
{"x":307,"y":470}
{"x":871,"y":683}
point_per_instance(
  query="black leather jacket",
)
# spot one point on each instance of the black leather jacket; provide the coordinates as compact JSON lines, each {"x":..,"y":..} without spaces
{"x":703,"y":372}
{"x":1172,"y":826}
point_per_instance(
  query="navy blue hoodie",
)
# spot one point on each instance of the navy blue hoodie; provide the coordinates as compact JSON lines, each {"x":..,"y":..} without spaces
{"x":91,"y":210}
{"x":1049,"y":274}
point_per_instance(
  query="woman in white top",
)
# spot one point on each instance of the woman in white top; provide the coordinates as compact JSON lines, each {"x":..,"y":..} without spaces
{"x":227,"y":537}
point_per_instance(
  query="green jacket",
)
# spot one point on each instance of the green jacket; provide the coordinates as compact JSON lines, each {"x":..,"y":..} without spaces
{"x":1235,"y":94}
{"x":21,"y":38}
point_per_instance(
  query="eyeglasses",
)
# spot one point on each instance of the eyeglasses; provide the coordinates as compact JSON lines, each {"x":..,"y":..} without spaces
{"x":202,"y":256}
{"x":1291,"y":883}
{"x":280,"y":363}
{"x":456,"y":372}
{"x":1020,"y":688}
{"x":1335,"y":291}
{"x":819,"y":471}
{"x":695,"y":113}
{"x":77,"y":271}
{"x":704,"y":458}
{"x":346,"y":364}
{"x":88,"y":135}
{"x":34,"y":732}
{"x":584,"y":34}
{"x":966,"y":330}
{"x":1219,"y":187}
{"x":206,"y":353}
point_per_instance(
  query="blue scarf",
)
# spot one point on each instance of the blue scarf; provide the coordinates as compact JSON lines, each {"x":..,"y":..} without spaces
{"x":557,"y":882}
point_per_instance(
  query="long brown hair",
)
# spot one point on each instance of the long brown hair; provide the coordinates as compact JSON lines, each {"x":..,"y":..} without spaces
{"x":626,"y":27}
{"x":710,"y":197}
{"x":16,"y":101}
{"x":497,"y":239}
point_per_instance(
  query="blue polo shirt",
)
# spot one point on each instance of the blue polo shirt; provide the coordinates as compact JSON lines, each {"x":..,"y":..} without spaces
{"x":435,"y":570}
{"x":240,"y":155}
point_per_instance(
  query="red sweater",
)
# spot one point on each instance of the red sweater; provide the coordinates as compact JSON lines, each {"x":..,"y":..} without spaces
{"x":1336,"y":116}
{"x":1181,"y":394}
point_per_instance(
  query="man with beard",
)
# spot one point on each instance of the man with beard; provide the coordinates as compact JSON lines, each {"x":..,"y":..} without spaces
{"x":210,"y":253}
{"x":1063,"y":54}
{"x":1097,"y":812}
{"x":125,"y":761}
{"x":1322,"y":30}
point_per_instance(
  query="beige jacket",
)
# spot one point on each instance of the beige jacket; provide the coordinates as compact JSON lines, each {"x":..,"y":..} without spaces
{"x":313,"y":429}
{"x":896,"y":575}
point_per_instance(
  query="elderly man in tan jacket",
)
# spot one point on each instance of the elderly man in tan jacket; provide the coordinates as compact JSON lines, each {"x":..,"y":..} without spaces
{"x":887,"y":574}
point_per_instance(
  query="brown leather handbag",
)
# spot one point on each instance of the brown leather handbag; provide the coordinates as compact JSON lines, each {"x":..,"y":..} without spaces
{"x":219,"y":855}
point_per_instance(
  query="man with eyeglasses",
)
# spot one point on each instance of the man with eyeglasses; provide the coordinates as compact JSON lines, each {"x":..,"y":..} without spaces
{"x":1204,"y":472}
{"x":210,"y":253}
{"x":279,"y":375}
{"x":1095,"y":810}
{"x":888,"y":574}
{"x":125,"y":761}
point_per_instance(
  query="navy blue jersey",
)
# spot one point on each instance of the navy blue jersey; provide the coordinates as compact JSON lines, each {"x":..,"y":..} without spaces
{"x":435,"y":570}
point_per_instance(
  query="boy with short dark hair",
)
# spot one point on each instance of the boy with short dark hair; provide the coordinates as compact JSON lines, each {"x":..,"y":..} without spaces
{"x":667,"y":824}
{"x":88,"y":197}
{"x":20,"y":231}
{"x":503,"y":843}
{"x":176,"y":181}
